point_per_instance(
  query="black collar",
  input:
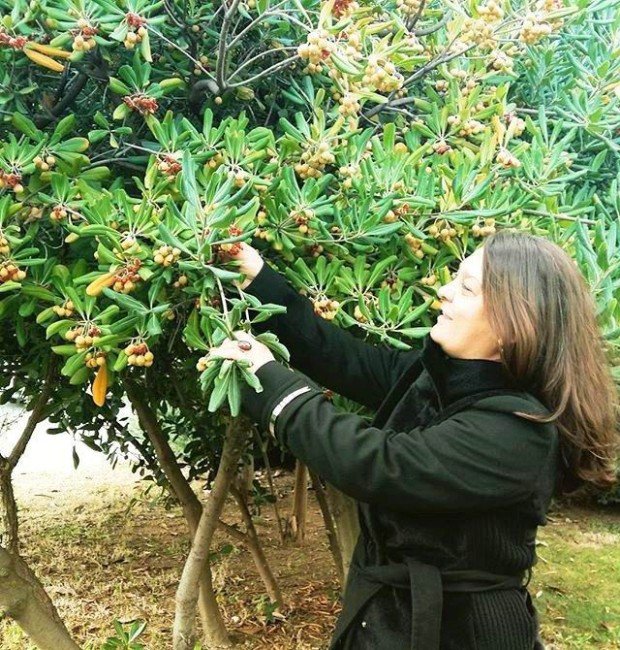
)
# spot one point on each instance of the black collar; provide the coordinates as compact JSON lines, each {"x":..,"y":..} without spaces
{"x":458,"y":378}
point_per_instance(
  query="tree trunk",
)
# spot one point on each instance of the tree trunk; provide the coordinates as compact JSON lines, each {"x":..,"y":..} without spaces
{"x":210,"y":616}
{"x":187,"y":592}
{"x":8,"y":516}
{"x":344,"y":512}
{"x":300,"y":501}
{"x":330,"y":527}
{"x":23,"y":599}
{"x":255,"y":548}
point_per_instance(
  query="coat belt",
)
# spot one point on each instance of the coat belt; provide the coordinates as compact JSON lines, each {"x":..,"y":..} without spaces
{"x":426,"y":583}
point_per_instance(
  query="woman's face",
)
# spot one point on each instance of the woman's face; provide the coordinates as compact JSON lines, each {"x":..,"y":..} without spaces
{"x":462,"y":330}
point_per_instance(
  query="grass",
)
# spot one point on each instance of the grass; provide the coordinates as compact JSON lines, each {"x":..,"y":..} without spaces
{"x":100,"y":562}
{"x":576,"y":581}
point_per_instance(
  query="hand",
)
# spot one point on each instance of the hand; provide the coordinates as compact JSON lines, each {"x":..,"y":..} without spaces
{"x":251,"y":263}
{"x":258,"y":354}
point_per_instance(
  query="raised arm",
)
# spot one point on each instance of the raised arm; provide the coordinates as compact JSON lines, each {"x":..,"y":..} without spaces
{"x":326,"y":353}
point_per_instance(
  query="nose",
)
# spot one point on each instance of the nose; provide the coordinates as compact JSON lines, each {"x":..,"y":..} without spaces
{"x":443,"y":291}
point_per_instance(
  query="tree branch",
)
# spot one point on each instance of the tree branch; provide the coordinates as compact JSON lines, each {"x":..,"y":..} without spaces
{"x":223,"y":48}
{"x":266,"y":72}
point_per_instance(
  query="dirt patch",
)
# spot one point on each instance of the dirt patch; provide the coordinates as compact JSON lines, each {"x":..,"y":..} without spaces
{"x":114,"y":551}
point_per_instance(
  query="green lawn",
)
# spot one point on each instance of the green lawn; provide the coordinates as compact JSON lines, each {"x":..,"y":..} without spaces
{"x":576,"y":583}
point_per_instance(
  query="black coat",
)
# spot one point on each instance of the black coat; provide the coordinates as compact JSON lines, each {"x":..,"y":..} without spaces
{"x":451,"y":484}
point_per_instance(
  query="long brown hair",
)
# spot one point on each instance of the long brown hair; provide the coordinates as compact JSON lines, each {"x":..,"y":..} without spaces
{"x":544,"y":314}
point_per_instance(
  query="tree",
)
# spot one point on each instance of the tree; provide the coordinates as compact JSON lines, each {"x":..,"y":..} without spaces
{"x":366,"y":147}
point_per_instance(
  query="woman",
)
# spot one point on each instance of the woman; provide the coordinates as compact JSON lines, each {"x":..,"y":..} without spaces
{"x":509,"y":401}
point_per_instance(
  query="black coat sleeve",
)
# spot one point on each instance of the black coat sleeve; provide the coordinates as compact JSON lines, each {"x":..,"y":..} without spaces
{"x":326,"y":353}
{"x":478,"y":459}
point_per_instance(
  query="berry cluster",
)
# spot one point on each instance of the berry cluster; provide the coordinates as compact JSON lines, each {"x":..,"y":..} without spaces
{"x":480,"y":31}
{"x":129,"y":243}
{"x":215,"y":161}
{"x":429,"y":280}
{"x":34,"y":212}
{"x":65,"y":310}
{"x":137,"y":30}
{"x":315,"y":249}
{"x":232,"y":248}
{"x":344,"y":8}
{"x":519,"y":124}
{"x":441,"y":147}
{"x":5,"y":249}
{"x":349,"y":105}
{"x":138,"y":354}
{"x":180,"y":282}
{"x":501,"y":61}
{"x":125,"y":280}
{"x":166,"y":255}
{"x":316,"y":49}
{"x":12,"y":181}
{"x":141,"y":103}
{"x":534,"y":28}
{"x":58,"y":213}
{"x":169,"y":165}
{"x":95,"y":360}
{"x":484,"y":231}
{"x":10,"y":272}
{"x":301,"y":218}
{"x":391,"y":282}
{"x":325,"y":308}
{"x":44,"y":164}
{"x":506,"y":159}
{"x":358,"y":315}
{"x":470,"y":127}
{"x":409,"y":7}
{"x":415,"y":245}
{"x":444,"y":231}
{"x":349,"y":172}
{"x":491,"y":12}
{"x":381,"y":75}
{"x":314,"y":159}
{"x":84,"y":337}
{"x":83,"y":40}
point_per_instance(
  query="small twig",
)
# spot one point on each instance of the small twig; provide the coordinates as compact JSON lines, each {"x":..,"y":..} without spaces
{"x":433,"y":28}
{"x":253,"y":24}
{"x":258,"y":56}
{"x":195,"y":61}
{"x":417,"y":15}
{"x":266,"y":72}
{"x":170,"y":13}
{"x":223,"y":298}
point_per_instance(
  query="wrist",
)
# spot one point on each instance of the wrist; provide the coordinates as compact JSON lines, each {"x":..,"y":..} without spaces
{"x":251,"y":276}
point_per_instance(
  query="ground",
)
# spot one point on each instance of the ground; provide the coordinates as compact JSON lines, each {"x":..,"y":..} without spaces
{"x":106,"y":549}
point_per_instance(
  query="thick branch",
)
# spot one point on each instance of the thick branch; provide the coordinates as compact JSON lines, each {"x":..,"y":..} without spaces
{"x":187,"y":592}
{"x":328,"y":520}
{"x":23,"y":599}
{"x":73,"y":91}
{"x":254,"y":545}
{"x":223,"y":48}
